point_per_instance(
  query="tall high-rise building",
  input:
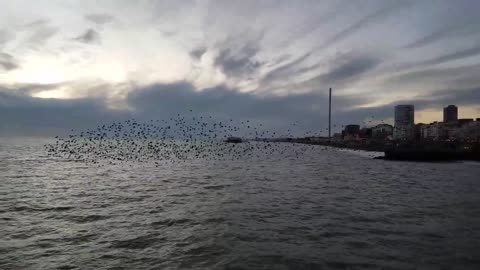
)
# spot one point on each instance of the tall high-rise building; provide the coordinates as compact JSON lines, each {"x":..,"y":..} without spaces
{"x":404,"y":115}
{"x":450,"y":114}
{"x":404,"y":122}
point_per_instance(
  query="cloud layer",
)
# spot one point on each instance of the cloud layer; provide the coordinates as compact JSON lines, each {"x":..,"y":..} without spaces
{"x":21,"y":114}
{"x":268,"y":60}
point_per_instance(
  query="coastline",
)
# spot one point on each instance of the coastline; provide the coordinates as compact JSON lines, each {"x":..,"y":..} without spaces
{"x":410,"y":151}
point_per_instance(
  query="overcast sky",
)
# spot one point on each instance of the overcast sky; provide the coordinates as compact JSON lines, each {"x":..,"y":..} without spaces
{"x":66,"y":63}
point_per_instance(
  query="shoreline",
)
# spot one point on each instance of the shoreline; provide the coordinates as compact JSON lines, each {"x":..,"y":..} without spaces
{"x":414,"y":151}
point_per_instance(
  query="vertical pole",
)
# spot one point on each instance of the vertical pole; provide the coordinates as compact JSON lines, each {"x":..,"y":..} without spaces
{"x":330,"y":115}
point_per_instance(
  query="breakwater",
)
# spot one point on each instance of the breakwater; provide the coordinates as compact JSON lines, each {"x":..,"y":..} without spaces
{"x":413,"y":150}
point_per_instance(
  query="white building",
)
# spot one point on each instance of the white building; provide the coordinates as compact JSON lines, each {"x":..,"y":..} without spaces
{"x":432,"y":131}
{"x":440,"y":131}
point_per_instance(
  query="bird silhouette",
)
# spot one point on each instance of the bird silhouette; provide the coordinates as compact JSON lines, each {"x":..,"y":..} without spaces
{"x":177,"y":139}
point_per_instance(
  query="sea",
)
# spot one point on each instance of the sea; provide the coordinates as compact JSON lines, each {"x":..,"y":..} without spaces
{"x":322,"y":209}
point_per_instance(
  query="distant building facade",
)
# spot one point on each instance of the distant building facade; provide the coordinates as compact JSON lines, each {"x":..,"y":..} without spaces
{"x":352,"y":129}
{"x":464,"y":121}
{"x":404,"y":122}
{"x":462,"y":130}
{"x":382,"y":131}
{"x":365,"y":133}
{"x":470,"y":131}
{"x":351,"y":132}
{"x":337,"y":136}
{"x":451,"y":129}
{"x":433,"y":131}
{"x":450,"y":114}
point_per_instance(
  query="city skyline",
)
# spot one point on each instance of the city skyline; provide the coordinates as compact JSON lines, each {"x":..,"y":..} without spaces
{"x":239,"y":134}
{"x":445,"y":113}
{"x":68,"y":64}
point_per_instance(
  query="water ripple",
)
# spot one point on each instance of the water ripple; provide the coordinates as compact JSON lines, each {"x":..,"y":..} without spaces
{"x":327,"y":210}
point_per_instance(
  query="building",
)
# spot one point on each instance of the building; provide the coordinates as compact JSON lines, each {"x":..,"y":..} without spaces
{"x":469,"y":131}
{"x":404,"y":115}
{"x":352,"y":129}
{"x":464,"y":121}
{"x":365,"y":133}
{"x":450,"y":114}
{"x":462,"y":130}
{"x":418,"y":131}
{"x":351,"y":132}
{"x":433,"y":132}
{"x":337,"y":137}
{"x":382,"y":131}
{"x":404,"y":122}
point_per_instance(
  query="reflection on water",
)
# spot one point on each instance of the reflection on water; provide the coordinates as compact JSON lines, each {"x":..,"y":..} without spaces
{"x":324,"y":209}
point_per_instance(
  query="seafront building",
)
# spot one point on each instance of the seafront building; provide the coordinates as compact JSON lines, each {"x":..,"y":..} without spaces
{"x":451,"y":129}
{"x":382,"y":132}
{"x":450,"y":114}
{"x":405,"y":129}
{"x":404,"y":122}
{"x":465,"y":129}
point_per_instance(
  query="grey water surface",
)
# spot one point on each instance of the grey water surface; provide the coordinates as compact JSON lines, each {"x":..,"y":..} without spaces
{"x":325,"y":209}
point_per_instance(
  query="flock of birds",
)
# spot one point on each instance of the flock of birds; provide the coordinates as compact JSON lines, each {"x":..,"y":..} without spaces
{"x":176,"y":139}
{"x":179,"y":138}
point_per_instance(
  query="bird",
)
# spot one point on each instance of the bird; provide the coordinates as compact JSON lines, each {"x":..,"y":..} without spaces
{"x":176,"y":139}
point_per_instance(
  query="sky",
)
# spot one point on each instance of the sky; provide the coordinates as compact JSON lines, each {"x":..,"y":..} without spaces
{"x":74,"y":64}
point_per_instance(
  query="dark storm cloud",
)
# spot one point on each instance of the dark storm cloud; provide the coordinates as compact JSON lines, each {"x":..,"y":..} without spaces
{"x":24,"y":115}
{"x":100,"y":18}
{"x":430,"y":71}
{"x":453,"y":20}
{"x":440,"y":98}
{"x":284,"y":46}
{"x":7,"y":62}
{"x":342,"y":70}
{"x":283,"y":70}
{"x":455,"y":30}
{"x":452,"y":74}
{"x":225,"y":103}
{"x":198,"y":53}
{"x":237,"y":58}
{"x":306,"y":69}
{"x":366,"y":21}
{"x":474,"y":51}
{"x":457,"y":96}
{"x":347,"y":69}
{"x":309,"y":108}
{"x":312,"y":24}
{"x":90,"y":36}
{"x":294,"y":67}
